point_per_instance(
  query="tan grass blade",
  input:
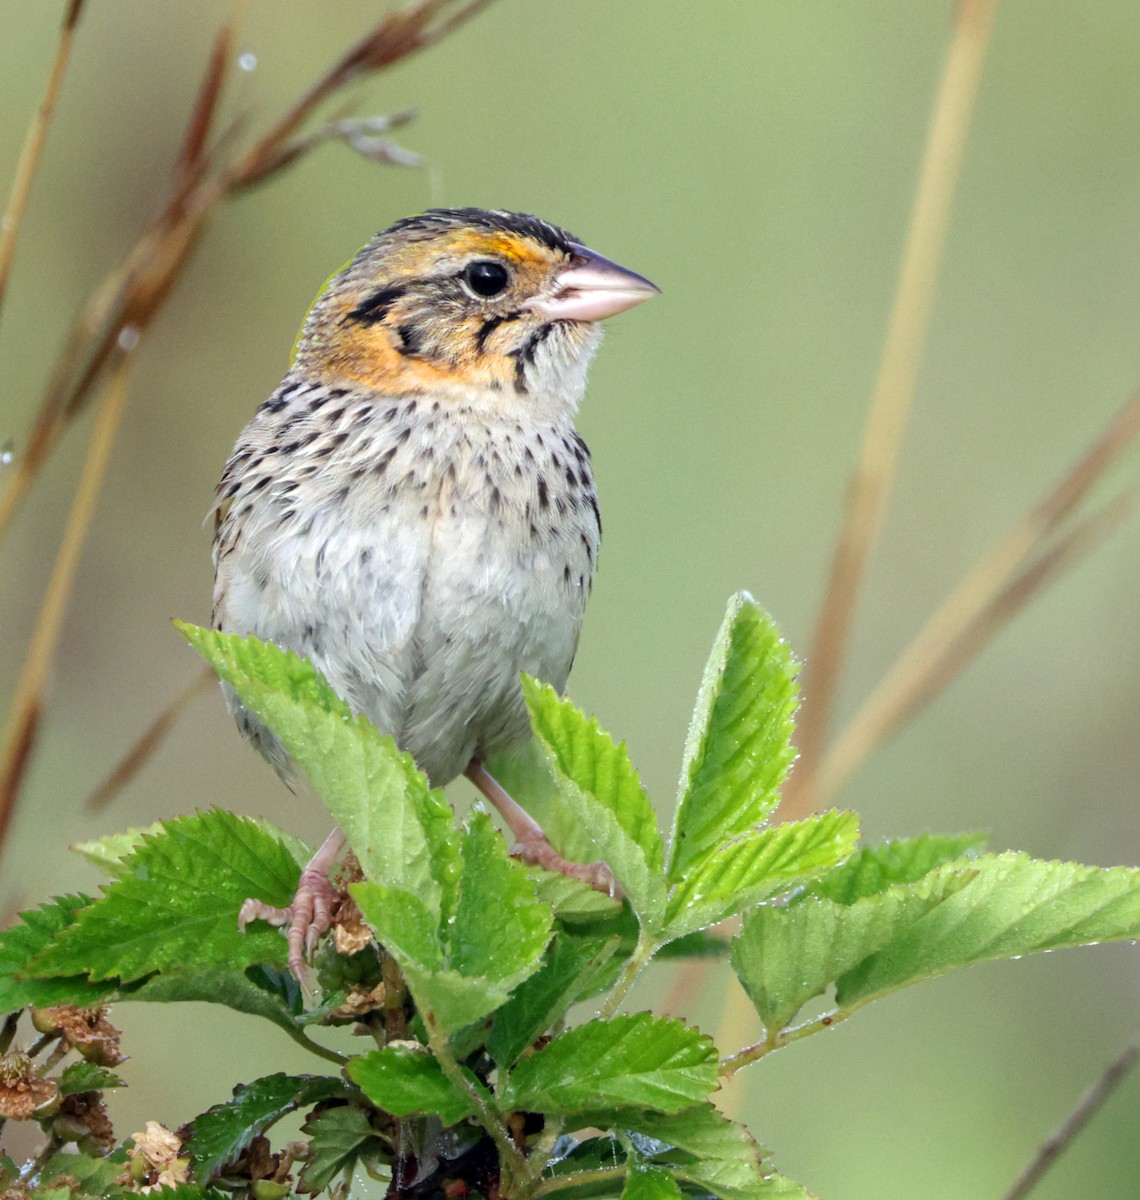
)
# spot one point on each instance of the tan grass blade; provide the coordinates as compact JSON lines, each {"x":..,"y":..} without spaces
{"x":894,"y":389}
{"x":24,"y":713}
{"x":34,"y":145}
{"x":997,"y":587}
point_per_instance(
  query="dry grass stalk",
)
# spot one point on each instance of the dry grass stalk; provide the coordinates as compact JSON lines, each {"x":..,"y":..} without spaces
{"x":34,"y":144}
{"x":999,"y":585}
{"x":24,"y":713}
{"x":1087,"y":1108}
{"x":894,"y":389}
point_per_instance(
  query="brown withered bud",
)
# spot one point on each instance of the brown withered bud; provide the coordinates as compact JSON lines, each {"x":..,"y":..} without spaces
{"x":360,"y":1002}
{"x":23,"y":1094}
{"x":350,"y":934}
{"x":86,"y":1030}
{"x":84,"y":1119}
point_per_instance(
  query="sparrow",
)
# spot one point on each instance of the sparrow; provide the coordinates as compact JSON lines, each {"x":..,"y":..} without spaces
{"x":412,"y":508}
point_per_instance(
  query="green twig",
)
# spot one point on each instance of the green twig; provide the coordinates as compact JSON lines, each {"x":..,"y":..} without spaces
{"x":579,"y":1179}
{"x":303,"y":1039}
{"x":646,"y":948}
{"x":511,"y":1160}
{"x":782,"y":1037}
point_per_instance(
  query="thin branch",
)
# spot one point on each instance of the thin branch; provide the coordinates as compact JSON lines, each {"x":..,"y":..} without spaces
{"x":34,"y":144}
{"x":23,"y":717}
{"x":1087,"y":1108}
{"x":769,"y":1044}
{"x":579,"y":1179}
{"x":999,"y":584}
{"x":511,"y":1160}
{"x":644,"y":951}
{"x":894,"y":389}
{"x":148,"y":741}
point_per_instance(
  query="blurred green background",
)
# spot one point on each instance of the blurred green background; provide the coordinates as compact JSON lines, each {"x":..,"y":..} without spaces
{"x":756,"y":159}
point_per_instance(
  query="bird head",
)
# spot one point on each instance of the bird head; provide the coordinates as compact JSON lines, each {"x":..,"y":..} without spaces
{"x":497,"y":308}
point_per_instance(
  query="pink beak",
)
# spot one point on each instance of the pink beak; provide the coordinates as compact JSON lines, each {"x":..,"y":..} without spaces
{"x":593,"y":288}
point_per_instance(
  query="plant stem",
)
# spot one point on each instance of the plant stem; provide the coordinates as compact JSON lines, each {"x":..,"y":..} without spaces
{"x":776,"y":1041}
{"x":56,"y":1057}
{"x":646,"y":948}
{"x":30,"y":1172}
{"x":579,"y":1179}
{"x":303,"y":1039}
{"x":8,"y":1032}
{"x":511,"y":1160}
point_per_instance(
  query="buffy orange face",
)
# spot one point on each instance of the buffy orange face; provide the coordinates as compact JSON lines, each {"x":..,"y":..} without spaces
{"x":464,"y":299}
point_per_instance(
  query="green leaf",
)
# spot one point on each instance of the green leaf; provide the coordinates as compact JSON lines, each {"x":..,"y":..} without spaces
{"x":760,"y":864}
{"x":650,"y":1183}
{"x":86,"y":1175}
{"x":233,"y":987}
{"x":221,"y":1133}
{"x":111,"y":853}
{"x":786,"y":955}
{"x":500,"y":929}
{"x":700,"y":1146}
{"x":87,"y":1077}
{"x":403,"y":1079}
{"x":178,"y":907}
{"x":408,"y":932}
{"x":18,"y":945}
{"x":580,"y":750}
{"x":402,"y":832}
{"x":873,"y":869}
{"x":1012,"y":905}
{"x":571,"y":899}
{"x":739,"y":748}
{"x":637,"y":1061}
{"x":778,"y":1187}
{"x":337,"y":1138}
{"x":572,"y":967}
{"x":462,"y":969}
{"x":619,"y":823}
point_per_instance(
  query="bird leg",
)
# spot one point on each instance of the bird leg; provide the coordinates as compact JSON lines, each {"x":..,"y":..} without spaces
{"x":310,"y":914}
{"x":531,"y":844}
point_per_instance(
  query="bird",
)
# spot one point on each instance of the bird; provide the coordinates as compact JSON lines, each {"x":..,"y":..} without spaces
{"x":413,"y":510}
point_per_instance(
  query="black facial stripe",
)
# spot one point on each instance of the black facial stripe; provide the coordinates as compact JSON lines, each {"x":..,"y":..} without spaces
{"x":410,"y":341}
{"x":524,"y":355}
{"x":376,"y":307}
{"x":489,"y":326}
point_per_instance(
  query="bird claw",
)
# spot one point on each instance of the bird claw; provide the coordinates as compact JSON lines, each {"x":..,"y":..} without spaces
{"x":307,"y":917}
{"x":535,"y":850}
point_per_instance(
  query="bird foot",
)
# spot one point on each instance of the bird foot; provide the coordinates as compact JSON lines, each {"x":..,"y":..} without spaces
{"x":307,"y":917}
{"x":533,"y":849}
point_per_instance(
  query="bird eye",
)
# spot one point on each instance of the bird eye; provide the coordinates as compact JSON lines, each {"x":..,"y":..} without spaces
{"x":486,"y":278}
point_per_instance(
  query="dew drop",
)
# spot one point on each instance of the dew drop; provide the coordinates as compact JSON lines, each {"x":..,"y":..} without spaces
{"x":7,"y":452}
{"x":128,"y":337}
{"x":247,"y":61}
